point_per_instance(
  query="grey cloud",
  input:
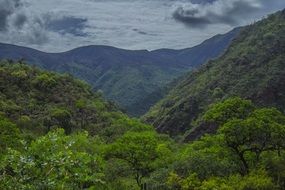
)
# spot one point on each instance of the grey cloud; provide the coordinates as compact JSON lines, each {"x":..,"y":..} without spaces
{"x":229,"y":12}
{"x":15,"y":23}
{"x":19,"y":20}
{"x":189,"y":16}
{"x":3,"y":22}
{"x":53,"y":25}
{"x":19,"y":23}
{"x":140,"y":31}
{"x":66,"y":24}
{"x":37,"y":35}
{"x":35,"y":31}
{"x":7,"y":8}
{"x":202,"y":1}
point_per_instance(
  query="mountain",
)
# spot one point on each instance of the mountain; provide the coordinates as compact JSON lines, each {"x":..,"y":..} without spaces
{"x":253,"y":67}
{"x":57,"y":134}
{"x":126,"y":77}
{"x":38,"y":101}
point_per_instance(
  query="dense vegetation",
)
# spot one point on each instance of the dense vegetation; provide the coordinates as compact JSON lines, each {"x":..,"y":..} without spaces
{"x":124,"y":76}
{"x":56,"y":133}
{"x":247,"y":152}
{"x":253,"y":68}
{"x":39,"y":101}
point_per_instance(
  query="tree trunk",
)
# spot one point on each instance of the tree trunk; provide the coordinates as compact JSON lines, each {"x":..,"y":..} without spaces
{"x":138,"y":180}
{"x":244,"y":163}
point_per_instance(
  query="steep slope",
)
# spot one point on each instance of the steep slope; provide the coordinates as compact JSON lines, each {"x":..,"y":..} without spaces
{"x":38,"y":101}
{"x":126,"y":77}
{"x":253,"y":67}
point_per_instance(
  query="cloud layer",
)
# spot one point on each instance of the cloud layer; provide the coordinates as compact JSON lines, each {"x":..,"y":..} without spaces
{"x":16,"y":23}
{"x":218,"y":12}
{"x":8,"y":8}
{"x":230,"y":12}
{"x":133,"y":24}
{"x":19,"y":24}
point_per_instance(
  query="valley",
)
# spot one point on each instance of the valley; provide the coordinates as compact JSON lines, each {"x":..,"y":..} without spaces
{"x":124,"y":76}
{"x":210,"y":117}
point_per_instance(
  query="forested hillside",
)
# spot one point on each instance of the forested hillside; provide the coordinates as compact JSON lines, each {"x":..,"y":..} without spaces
{"x":56,"y":134}
{"x":39,"y":101}
{"x":253,"y":68}
{"x":221,"y":127}
{"x":126,"y":77}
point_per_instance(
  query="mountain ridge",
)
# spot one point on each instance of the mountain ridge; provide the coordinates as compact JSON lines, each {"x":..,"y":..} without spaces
{"x":251,"y":68}
{"x":125,"y":76}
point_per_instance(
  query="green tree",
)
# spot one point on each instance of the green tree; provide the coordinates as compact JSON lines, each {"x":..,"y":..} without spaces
{"x":263,"y":131}
{"x":256,"y":180}
{"x":232,"y":108}
{"x":44,"y":81}
{"x":206,"y":157}
{"x":81,"y":106}
{"x":62,"y":118}
{"x":54,"y":161}
{"x":275,"y":166}
{"x":143,"y":152}
{"x":9,"y":135}
{"x":192,"y":182}
{"x":216,"y":183}
{"x":19,"y":76}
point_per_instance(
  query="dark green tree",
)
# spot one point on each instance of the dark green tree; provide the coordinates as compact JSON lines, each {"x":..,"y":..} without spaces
{"x":263,"y":131}
{"x":9,"y":135}
{"x":62,"y":118}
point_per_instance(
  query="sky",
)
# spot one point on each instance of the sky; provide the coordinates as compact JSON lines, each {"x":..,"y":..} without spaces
{"x":61,"y":25}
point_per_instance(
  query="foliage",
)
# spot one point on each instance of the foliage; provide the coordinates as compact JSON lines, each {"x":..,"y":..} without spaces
{"x":101,"y":148}
{"x":143,"y":152}
{"x":232,"y":108}
{"x":256,"y":180}
{"x":235,"y":157}
{"x":263,"y":130}
{"x":44,"y":81}
{"x":252,"y":68}
{"x":52,"y":162}
{"x":62,"y":118}
{"x":206,"y":157}
{"x":9,"y":135}
{"x":135,"y":80}
{"x":123,"y":153}
{"x":38,"y":101}
{"x":192,"y":182}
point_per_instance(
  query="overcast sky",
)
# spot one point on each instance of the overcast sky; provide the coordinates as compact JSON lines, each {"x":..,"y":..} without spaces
{"x":59,"y":25}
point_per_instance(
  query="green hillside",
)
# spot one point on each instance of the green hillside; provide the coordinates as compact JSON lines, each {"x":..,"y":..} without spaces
{"x":126,"y":77}
{"x":39,"y":101}
{"x":253,"y":67}
{"x":56,"y":133}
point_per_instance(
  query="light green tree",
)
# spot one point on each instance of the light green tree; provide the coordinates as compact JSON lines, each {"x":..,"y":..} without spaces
{"x":232,"y":108}
{"x":54,"y":161}
{"x":143,"y":152}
